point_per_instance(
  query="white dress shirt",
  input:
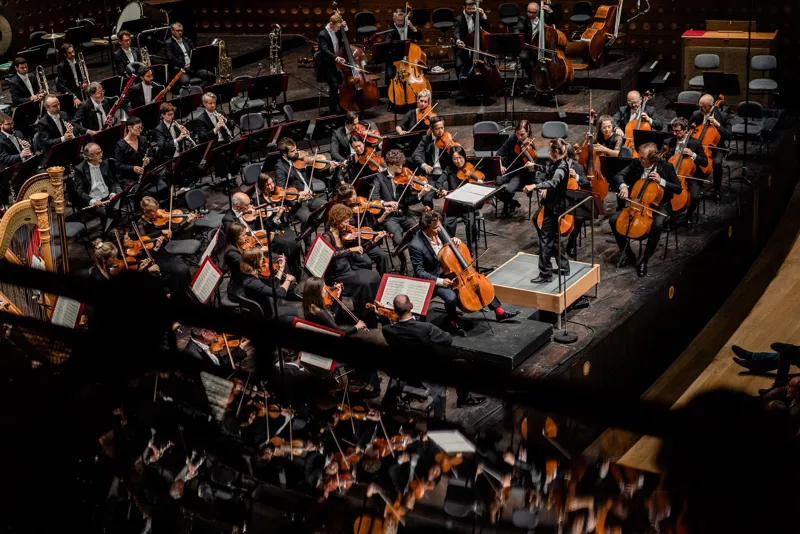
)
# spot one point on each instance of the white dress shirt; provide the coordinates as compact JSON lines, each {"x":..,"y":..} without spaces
{"x":13,"y":139}
{"x":171,"y":129}
{"x":27,"y":82}
{"x":213,"y":119}
{"x":299,"y":174}
{"x":333,"y":38}
{"x":129,"y":54}
{"x":102,"y":112}
{"x":99,"y":189}
{"x":57,"y":120}
{"x":471,"y":21}
{"x":147,"y":91}
{"x":403,"y":31}
{"x":436,"y":244}
{"x":74,"y":73}
{"x":183,"y":49}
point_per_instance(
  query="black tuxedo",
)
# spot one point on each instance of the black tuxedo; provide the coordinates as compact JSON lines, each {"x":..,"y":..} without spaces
{"x":426,"y":153}
{"x":394,"y":34}
{"x":623,"y":116}
{"x":515,"y":181}
{"x":525,"y":26}
{"x":87,"y":116}
{"x":414,"y":334}
{"x":9,"y":155}
{"x":410,"y":119}
{"x":165,"y":143}
{"x":340,"y":144}
{"x":65,"y":81}
{"x":204,"y":129}
{"x":725,"y":137}
{"x":82,"y":186}
{"x":48,"y":132}
{"x":460,"y":33}
{"x":285,"y":172}
{"x":177,"y":61}
{"x":396,"y":224}
{"x":19,"y":91}
{"x":121,"y":61}
{"x":325,"y":62}
{"x":135,"y":94}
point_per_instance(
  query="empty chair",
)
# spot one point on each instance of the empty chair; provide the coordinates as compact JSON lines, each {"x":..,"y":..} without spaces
{"x":485,"y":127}
{"x":704,"y":62}
{"x":443,"y":19}
{"x":582,"y":13}
{"x":509,"y":15}
{"x":288,"y":112}
{"x":195,"y":201}
{"x":551,"y":130}
{"x":250,"y":173}
{"x":765,"y":64}
{"x":753,"y":116}
{"x":366,"y":24}
{"x":251,"y":122}
{"x":689,"y":97}
{"x":251,"y":308}
{"x":238,"y":102}
{"x":183,"y":247}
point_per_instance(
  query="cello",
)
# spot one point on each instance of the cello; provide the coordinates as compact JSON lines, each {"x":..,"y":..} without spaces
{"x":591,"y":162}
{"x":357,"y":91}
{"x":473,"y":289}
{"x":410,"y":79}
{"x":708,"y":136}
{"x":554,"y":70}
{"x":636,"y":219}
{"x":483,"y":77}
{"x":683,"y":167}
{"x":637,"y":124}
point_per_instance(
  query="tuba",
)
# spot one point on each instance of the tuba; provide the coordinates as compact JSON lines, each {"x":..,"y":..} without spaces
{"x":84,"y":70}
{"x":225,"y":65}
{"x":275,"y":51}
{"x":145,"y":56}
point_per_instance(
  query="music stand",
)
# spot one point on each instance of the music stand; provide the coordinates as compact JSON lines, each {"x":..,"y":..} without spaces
{"x":185,"y":161}
{"x":324,"y":127}
{"x":112,"y":86}
{"x":21,"y":171}
{"x":67,"y":104}
{"x":721,"y":83}
{"x":490,"y":166}
{"x":270,"y":161}
{"x":186,"y":104}
{"x":613,"y":166}
{"x":224,"y":91}
{"x":685,"y":109}
{"x":507,"y":45}
{"x":269,"y":88}
{"x":204,"y":58}
{"x":294,"y":130}
{"x":160,"y":74}
{"x":108,"y":139}
{"x":25,"y":117}
{"x":149,"y":113}
{"x":389,"y":53}
{"x":420,"y":17}
{"x":262,"y":138}
{"x":147,"y":178}
{"x":487,"y":143}
{"x":473,"y":196}
{"x":641,"y":137}
{"x":406,"y":143}
{"x":64,"y":154}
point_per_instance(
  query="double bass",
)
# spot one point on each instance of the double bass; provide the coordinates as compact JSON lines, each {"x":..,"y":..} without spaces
{"x":597,"y":35}
{"x":483,"y":77}
{"x":357,"y":91}
{"x":554,"y":69}
{"x":473,"y":289}
{"x":410,"y":78}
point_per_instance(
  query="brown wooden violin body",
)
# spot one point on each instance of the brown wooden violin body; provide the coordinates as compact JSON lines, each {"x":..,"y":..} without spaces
{"x":372,"y":160}
{"x":383,"y":311}
{"x":470,"y":174}
{"x":473,"y":289}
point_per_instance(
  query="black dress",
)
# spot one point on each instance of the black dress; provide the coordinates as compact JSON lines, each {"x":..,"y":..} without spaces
{"x":284,"y":243}
{"x":233,"y":260}
{"x":174,"y":272}
{"x":126,"y":158}
{"x":359,"y":283}
{"x":325,"y":318}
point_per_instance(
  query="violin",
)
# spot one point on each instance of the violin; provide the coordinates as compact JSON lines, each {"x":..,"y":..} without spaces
{"x":370,"y":137}
{"x":526,"y":149}
{"x":373,"y":161}
{"x":163,"y":217}
{"x":268,"y":268}
{"x":139,"y":246}
{"x":470,"y":174}
{"x":383,"y":311}
{"x":345,"y":461}
{"x":218,"y":344}
{"x":297,"y":447}
{"x":448,"y":461}
{"x":368,"y":524}
{"x":425,"y":116}
{"x":118,"y":265}
{"x":265,"y":210}
{"x":418,"y":183}
{"x":446,"y":142}
{"x":636,"y":219}
{"x":375,"y":207}
{"x":290,"y":194}
{"x":364,"y":233}
{"x":473,"y":289}
{"x":258,"y":239}
{"x":319,"y":162}
{"x":330,"y":293}
{"x":637,"y":124}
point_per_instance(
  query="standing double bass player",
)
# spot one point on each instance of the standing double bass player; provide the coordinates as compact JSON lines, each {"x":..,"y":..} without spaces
{"x":330,"y":39}
{"x":465,"y":24}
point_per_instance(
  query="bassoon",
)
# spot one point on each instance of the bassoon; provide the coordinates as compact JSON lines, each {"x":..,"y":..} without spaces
{"x":160,"y":96}
{"x":110,"y":118}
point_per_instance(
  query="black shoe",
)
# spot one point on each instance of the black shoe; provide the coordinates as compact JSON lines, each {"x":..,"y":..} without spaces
{"x":541,"y":279}
{"x":455,"y":328}
{"x":514,"y":204}
{"x":572,"y":253}
{"x":784,"y":347}
{"x":629,"y":259}
{"x":470,"y":401}
{"x":506,"y":315}
{"x":403,"y":270}
{"x":743,"y":363}
{"x":641,"y":269}
{"x":742,"y":353}
{"x":564,"y":272}
{"x":717,"y":197}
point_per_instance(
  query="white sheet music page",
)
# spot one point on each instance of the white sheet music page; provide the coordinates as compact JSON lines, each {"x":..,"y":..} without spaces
{"x":205,"y":280}
{"x":67,"y":312}
{"x":314,"y":359}
{"x":319,"y":256}
{"x":418,"y":291}
{"x":471,"y":194}
{"x":451,"y":441}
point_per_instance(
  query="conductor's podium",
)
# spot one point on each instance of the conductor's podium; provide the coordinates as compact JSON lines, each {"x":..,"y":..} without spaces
{"x":512,"y":284}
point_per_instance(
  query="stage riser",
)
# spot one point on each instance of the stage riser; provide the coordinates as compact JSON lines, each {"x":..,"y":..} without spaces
{"x":639,"y":350}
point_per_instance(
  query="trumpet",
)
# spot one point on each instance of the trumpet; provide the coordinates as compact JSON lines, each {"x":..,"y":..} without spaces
{"x":84,"y":70}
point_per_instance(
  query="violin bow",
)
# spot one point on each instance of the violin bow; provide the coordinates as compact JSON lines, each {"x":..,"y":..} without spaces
{"x":171,"y":196}
{"x":244,"y":391}
{"x":139,"y":236}
{"x":266,"y":412}
{"x":528,"y":142}
{"x":228,"y":348}
{"x":260,"y":216}
{"x":338,"y":446}
{"x":364,"y":165}
{"x":124,"y":262}
{"x":386,"y":434}
{"x":423,"y":116}
{"x":339,"y":302}
{"x":645,"y":207}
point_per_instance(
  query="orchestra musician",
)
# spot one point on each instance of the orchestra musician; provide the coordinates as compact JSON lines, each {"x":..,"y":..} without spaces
{"x":453,"y":210}
{"x":528,"y":26}
{"x":260,"y":290}
{"x":427,"y":155}
{"x":174,"y":270}
{"x":359,"y":283}
{"x":358,"y":170}
{"x":314,"y":309}
{"x":647,"y":167}
{"x":341,"y":150}
{"x":512,"y":162}
{"x":330,"y":39}
{"x":401,"y":29}
{"x":287,"y":176}
{"x":94,"y":183}
{"x":424,"y":251}
{"x":213,"y":126}
{"x":171,"y":137}
{"x":632,"y":110}
{"x":410,"y":119}
{"x":554,"y":204}
{"x":106,"y":256}
{"x":377,"y":256}
{"x":14,"y":148}
{"x":682,"y":141}
{"x":178,"y":50}
{"x":285,"y":240}
{"x":130,"y":153}
{"x":199,"y":346}
{"x":465,"y":24}
{"x":24,"y":87}
{"x":607,"y":141}
{"x":577,"y":172}
{"x":69,"y":78}
{"x":54,"y":126}
{"x":92,"y":112}
{"x":125,"y":55}
{"x":143,"y":93}
{"x":721,"y":122}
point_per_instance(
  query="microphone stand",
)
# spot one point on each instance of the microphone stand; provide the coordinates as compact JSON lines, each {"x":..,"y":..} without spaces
{"x":247,"y":98}
{"x":747,"y":90}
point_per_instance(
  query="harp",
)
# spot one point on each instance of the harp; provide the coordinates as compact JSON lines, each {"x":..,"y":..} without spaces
{"x":52,"y":183}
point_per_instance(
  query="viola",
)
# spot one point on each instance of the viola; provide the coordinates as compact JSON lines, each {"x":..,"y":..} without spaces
{"x":330,"y":293}
{"x":139,"y":246}
{"x":319,"y":162}
{"x":470,"y":174}
{"x":375,"y":207}
{"x":383,"y":311}
{"x":418,"y":183}
{"x":637,"y":124}
{"x":364,"y":233}
{"x":118,"y":265}
{"x":163,"y":217}
{"x":473,"y":289}
{"x":372,"y":160}
{"x":218,"y":344}
{"x":446,"y":142}
{"x":370,"y":137}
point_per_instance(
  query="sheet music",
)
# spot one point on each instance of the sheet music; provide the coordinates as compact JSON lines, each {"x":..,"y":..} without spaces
{"x":206,"y":280}
{"x":67,"y":312}
{"x":319,"y":256}
{"x":314,"y":359}
{"x":211,"y":246}
{"x":419,"y":291}
{"x":317,"y":361}
{"x":471,"y":194}
{"x":451,"y":441}
{"x":218,"y":392}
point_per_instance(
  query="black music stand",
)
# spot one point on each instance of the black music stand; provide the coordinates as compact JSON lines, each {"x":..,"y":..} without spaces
{"x":641,"y":137}
{"x":160,"y":74}
{"x":389,"y":53}
{"x":151,"y":177}
{"x":186,"y":160}
{"x":296,"y":130}
{"x":324,"y":127}
{"x":721,"y":83}
{"x":490,"y":166}
{"x":270,"y":161}
{"x":64,"y":154}
{"x":204,"y":58}
{"x":228,"y":151}
{"x":108,"y":139}
{"x":66,"y":103}
{"x":262,"y":138}
{"x":224,"y":91}
{"x":420,"y":17}
{"x":268,"y":88}
{"x":112,"y":86}
{"x":25,"y":117}
{"x":406,"y":143}
{"x":613,"y":166}
{"x":685,"y":109}
{"x":507,"y":45}
{"x":148,"y":113}
{"x":487,"y":143}
{"x":19,"y":172}
{"x":186,"y":104}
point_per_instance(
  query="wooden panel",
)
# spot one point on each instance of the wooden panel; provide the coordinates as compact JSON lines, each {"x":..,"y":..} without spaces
{"x":732,"y":59}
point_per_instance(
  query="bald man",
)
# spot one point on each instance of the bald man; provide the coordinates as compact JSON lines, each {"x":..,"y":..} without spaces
{"x":721,"y":122}
{"x":528,"y":26}
{"x":631,"y":111}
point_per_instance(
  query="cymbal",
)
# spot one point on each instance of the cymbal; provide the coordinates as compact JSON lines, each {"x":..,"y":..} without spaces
{"x":53,"y":36}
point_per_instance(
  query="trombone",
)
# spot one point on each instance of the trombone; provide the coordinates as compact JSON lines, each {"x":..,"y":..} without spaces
{"x":84,"y":70}
{"x":44,"y":89}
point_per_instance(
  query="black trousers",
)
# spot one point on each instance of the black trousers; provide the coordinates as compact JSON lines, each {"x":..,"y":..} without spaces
{"x":652,"y":238}
{"x":208,"y":78}
{"x":333,"y":78}
{"x":303,"y":209}
{"x":717,"y":158}
{"x":287,"y":245}
{"x":526,"y":61}
{"x":451,"y":301}
{"x":109,"y":215}
{"x":397,"y":226}
{"x":452,"y":212}
{"x":374,"y":256}
{"x":513,"y":184}
{"x":694,"y":194}
{"x":549,"y":235}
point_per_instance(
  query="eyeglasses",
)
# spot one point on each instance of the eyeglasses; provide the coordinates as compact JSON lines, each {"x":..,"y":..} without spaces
{"x":634,"y":101}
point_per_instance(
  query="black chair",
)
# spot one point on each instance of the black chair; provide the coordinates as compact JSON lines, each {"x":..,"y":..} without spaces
{"x":443,"y":19}
{"x":366,"y":24}
{"x":251,"y":173}
{"x":485,"y":127}
{"x":509,"y":15}
{"x":251,"y":307}
{"x":288,"y":112}
{"x":195,"y":201}
{"x":582,"y":14}
{"x":36,"y":41}
{"x":752,"y":114}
